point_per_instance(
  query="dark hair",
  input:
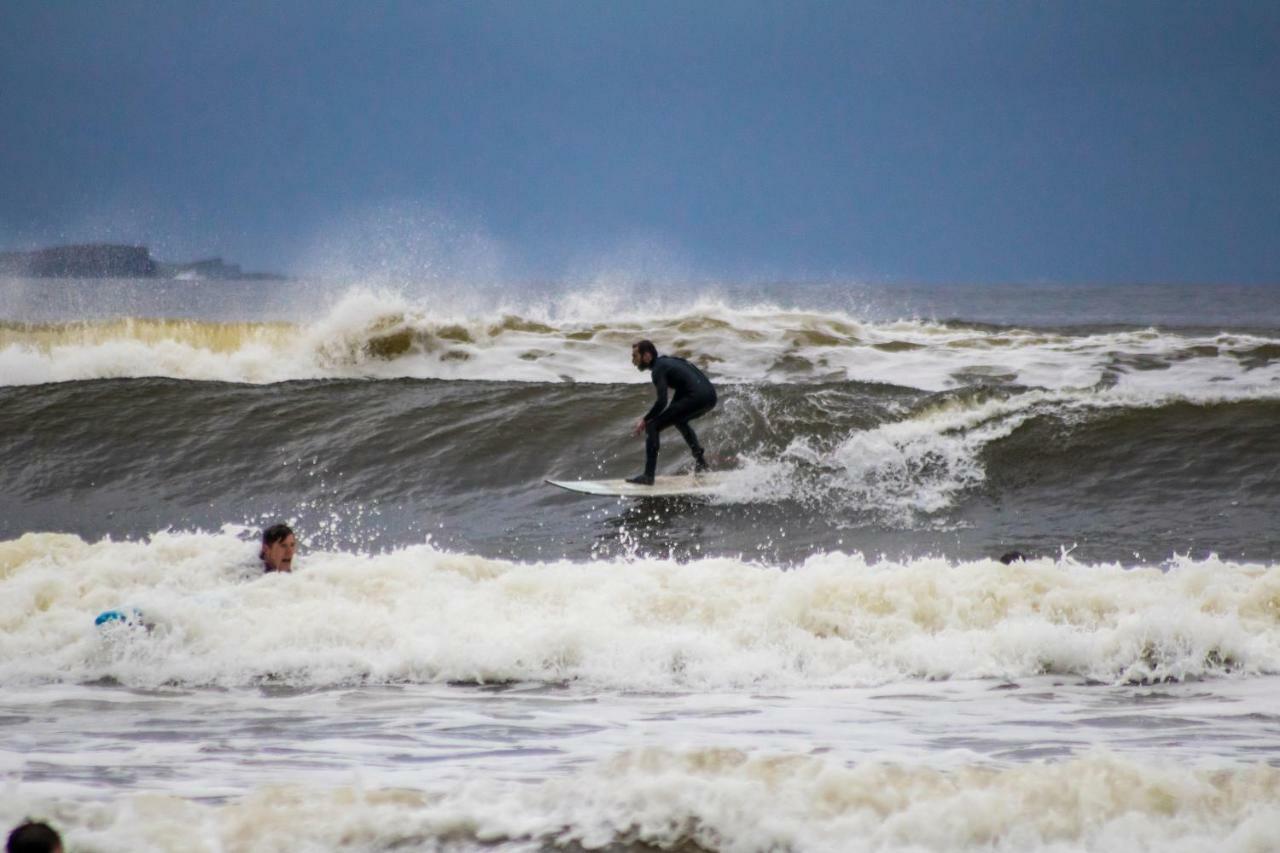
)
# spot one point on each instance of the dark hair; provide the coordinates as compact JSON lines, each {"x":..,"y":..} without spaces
{"x":646,"y":347}
{"x":33,"y":838}
{"x":276,"y":533}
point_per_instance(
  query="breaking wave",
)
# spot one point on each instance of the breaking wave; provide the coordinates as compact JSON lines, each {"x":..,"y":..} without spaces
{"x":423,"y":615}
{"x":381,"y":336}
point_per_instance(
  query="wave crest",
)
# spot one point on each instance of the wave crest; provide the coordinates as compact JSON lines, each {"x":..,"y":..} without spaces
{"x":380,"y":335}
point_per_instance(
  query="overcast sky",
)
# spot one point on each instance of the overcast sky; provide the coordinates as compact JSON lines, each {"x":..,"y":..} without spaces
{"x":876,"y":141}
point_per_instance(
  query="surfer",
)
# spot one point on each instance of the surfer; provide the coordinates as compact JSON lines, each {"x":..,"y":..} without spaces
{"x":278,"y":545}
{"x":693,"y":396}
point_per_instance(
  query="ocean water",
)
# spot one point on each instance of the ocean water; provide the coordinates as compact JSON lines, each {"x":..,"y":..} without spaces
{"x":826,"y":654}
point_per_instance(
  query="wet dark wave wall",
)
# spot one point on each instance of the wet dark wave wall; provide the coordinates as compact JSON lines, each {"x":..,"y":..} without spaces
{"x":840,"y":466}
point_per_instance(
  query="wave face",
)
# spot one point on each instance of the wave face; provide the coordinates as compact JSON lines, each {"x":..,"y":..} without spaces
{"x":421,"y":615}
{"x":1119,"y":474}
{"x":376,"y":418}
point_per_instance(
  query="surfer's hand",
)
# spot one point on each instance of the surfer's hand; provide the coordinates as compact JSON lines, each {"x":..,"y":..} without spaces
{"x":638,"y":429}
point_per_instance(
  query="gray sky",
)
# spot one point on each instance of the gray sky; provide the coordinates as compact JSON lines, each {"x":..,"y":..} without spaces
{"x":917,"y":141}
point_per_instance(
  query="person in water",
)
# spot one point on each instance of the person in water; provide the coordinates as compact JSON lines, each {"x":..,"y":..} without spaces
{"x":278,"y":546}
{"x":692,"y":396}
{"x":33,"y":837}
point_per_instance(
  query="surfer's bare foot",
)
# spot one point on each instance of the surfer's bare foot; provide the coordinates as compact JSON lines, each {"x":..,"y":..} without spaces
{"x":641,"y":480}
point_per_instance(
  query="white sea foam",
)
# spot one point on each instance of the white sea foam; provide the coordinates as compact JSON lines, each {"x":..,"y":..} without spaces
{"x":922,"y":463}
{"x":422,"y":615}
{"x":585,"y":338}
{"x":723,"y":800}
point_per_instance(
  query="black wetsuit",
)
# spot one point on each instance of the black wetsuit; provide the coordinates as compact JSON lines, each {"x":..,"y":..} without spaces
{"x":693,"y":395}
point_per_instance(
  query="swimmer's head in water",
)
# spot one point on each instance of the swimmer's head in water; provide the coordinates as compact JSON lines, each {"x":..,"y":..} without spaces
{"x":278,"y":546}
{"x":35,"y":837}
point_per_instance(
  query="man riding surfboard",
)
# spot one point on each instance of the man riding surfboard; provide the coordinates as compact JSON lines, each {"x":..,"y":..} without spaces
{"x":693,"y":395}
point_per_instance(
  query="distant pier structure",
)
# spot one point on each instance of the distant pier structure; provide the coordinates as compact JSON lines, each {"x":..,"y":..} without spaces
{"x":108,"y":260}
{"x":92,"y":260}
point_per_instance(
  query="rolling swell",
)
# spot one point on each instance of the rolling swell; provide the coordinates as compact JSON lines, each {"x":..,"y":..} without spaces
{"x":1227,"y":448}
{"x":822,"y":466}
{"x":397,"y":439}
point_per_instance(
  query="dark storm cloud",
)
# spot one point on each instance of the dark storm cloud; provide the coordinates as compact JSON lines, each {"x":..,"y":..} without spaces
{"x":927,"y":141}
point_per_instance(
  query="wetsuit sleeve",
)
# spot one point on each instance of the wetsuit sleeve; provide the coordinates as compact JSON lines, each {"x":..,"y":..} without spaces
{"x":660,"y":384}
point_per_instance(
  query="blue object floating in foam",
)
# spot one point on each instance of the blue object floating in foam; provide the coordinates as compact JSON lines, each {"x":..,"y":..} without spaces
{"x":124,"y":616}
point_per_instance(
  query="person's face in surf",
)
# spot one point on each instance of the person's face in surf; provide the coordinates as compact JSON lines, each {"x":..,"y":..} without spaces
{"x":278,"y":556}
{"x":640,"y":360}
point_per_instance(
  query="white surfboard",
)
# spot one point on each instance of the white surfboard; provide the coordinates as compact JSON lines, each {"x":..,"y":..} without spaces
{"x":664,"y":486}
